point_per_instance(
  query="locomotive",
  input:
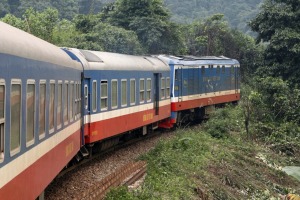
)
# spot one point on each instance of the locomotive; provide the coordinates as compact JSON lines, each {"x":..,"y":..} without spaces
{"x":61,"y":104}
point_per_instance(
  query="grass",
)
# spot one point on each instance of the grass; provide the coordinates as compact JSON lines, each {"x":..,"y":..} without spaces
{"x":207,"y":162}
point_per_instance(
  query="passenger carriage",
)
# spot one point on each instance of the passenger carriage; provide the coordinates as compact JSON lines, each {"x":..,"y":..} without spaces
{"x":122,"y":93}
{"x":39,"y":118}
{"x":198,"y":84}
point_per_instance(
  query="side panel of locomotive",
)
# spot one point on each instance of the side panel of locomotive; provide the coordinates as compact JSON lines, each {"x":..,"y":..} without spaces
{"x":200,"y":83}
{"x":39,"y":125}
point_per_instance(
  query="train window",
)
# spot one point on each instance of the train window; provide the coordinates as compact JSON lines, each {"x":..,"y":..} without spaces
{"x":202,"y":69}
{"x":223,"y":69}
{"x":79,"y":99}
{"x":30,"y":110}
{"x":2,"y":94}
{"x":218,"y":69}
{"x":1,"y":142}
{"x":71,"y":101}
{"x":124,"y":93}
{"x":76,"y":100}
{"x":51,"y":106}
{"x":86,"y":97}
{"x":59,"y":105}
{"x":232,"y":69}
{"x":168,"y":85}
{"x":15,"y":117}
{"x":104,"y":95}
{"x":162,"y":88}
{"x":42,"y":109}
{"x":94,"y":96}
{"x":132,"y":91}
{"x":66,"y":102}
{"x":114,"y":93}
{"x":149,"y":89}
{"x":142,"y":90}
{"x":2,"y":102}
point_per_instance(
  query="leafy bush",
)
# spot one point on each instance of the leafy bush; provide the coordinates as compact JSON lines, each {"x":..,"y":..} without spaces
{"x":224,"y":121}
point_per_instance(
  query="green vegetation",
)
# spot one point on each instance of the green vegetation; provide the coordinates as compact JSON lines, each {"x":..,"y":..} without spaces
{"x":237,"y":12}
{"x":212,"y":163}
{"x":228,"y":157}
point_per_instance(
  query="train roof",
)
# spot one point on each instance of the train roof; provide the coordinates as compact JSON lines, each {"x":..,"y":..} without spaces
{"x":195,"y":60}
{"x":98,"y":60}
{"x":19,"y":43}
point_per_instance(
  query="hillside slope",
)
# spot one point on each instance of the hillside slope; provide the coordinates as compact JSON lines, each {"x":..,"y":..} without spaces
{"x":237,"y":12}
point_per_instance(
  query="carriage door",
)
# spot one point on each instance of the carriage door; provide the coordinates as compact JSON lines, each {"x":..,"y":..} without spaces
{"x":156,"y":92}
{"x":86,"y":103}
{"x":2,"y":97}
{"x":178,"y":83}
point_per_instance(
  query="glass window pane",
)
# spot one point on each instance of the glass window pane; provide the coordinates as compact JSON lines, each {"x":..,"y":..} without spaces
{"x":148,"y":89}
{"x":104,"y":90}
{"x":59,"y":104}
{"x":51,"y":106}
{"x":163,"y":83}
{"x":15,"y":110}
{"x":168,"y":87}
{"x":71,"y":90}
{"x":66,"y":102}
{"x":132,"y":91}
{"x":142,"y":90}
{"x":42,"y":108}
{"x":124,"y":92}
{"x":2,"y":93}
{"x":94,"y":96}
{"x":114,"y":93}
{"x":30,"y":102}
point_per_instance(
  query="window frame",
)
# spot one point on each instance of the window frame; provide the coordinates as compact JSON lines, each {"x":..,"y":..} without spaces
{"x":42,"y":135}
{"x":51,"y":83}
{"x":149,"y":90}
{"x":104,"y":82}
{"x":17,"y":149}
{"x":31,"y":82}
{"x":66,"y":118}
{"x":2,"y":124}
{"x":59,"y":124}
{"x":86,"y":96}
{"x":168,"y":87}
{"x":142,"y":91}
{"x":122,"y":93}
{"x":134,"y":92}
{"x":162,"y":89}
{"x":71,"y":101}
{"x":223,"y":69}
{"x":94,"y":96}
{"x":112,"y":94}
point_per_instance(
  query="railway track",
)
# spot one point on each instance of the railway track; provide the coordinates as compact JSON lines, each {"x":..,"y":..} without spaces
{"x":114,"y":148}
{"x":76,"y":180}
{"x":125,"y":175}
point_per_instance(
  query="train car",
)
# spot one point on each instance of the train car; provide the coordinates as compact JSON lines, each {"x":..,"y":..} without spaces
{"x":122,"y":94}
{"x":198,"y":84}
{"x":39,"y":119}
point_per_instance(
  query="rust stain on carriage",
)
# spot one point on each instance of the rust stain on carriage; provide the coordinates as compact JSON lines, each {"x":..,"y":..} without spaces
{"x":69,"y":149}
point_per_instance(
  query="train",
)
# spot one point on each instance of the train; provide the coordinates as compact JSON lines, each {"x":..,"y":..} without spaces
{"x":60,"y":105}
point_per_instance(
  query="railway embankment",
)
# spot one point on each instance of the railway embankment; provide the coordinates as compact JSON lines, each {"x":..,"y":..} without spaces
{"x":214,"y":161}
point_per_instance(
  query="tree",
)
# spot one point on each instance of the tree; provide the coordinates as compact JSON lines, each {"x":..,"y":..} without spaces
{"x":38,"y":5}
{"x":40,"y":24}
{"x":4,"y":8}
{"x":67,"y":8}
{"x":149,"y":19}
{"x":278,"y":25}
{"x":96,"y":35}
